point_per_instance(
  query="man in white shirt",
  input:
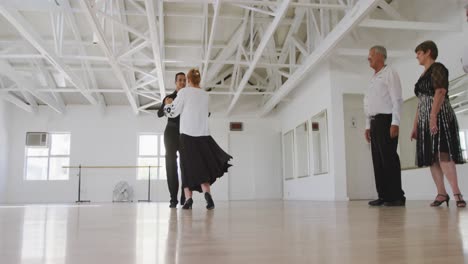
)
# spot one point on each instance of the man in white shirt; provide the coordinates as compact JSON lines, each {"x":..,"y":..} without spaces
{"x":382,"y":106}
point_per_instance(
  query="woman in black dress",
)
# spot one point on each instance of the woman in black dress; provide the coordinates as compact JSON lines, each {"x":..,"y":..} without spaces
{"x":435,"y":125}
{"x":202,"y":161}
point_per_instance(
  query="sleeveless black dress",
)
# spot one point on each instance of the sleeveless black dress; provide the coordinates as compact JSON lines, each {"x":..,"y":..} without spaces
{"x":445,"y":145}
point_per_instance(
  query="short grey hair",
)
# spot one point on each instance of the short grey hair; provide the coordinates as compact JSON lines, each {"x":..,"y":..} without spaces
{"x":380,"y":49}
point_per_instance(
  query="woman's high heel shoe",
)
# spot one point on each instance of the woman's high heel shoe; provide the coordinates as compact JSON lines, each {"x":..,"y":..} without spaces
{"x":209,"y":201}
{"x":188,"y":204}
{"x":438,"y":203}
{"x":460,"y":202}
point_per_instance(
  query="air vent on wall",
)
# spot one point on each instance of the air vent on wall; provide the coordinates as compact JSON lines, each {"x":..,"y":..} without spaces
{"x":236,"y":126}
{"x":37,"y":139}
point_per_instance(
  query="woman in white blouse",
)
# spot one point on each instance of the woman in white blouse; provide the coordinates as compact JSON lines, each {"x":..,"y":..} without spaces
{"x":202,"y":161}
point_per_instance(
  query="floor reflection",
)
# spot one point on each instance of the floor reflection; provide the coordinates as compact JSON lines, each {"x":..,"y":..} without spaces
{"x":44,"y":235}
{"x":151,"y":232}
{"x":236,"y":232}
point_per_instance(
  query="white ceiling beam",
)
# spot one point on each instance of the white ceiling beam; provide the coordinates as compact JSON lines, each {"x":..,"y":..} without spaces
{"x":298,"y":17}
{"x":217,"y":87}
{"x":31,"y":102}
{"x":255,"y":9}
{"x":123,"y":25}
{"x":95,"y":25}
{"x":285,"y":74}
{"x":365,"y":52}
{"x":408,"y":25}
{"x":177,"y":63}
{"x":149,"y":96}
{"x":224,"y":55}
{"x":143,"y":84}
{"x":300,"y":45}
{"x":136,"y":69}
{"x":155,"y":44}
{"x":143,"y":107}
{"x":27,"y":95}
{"x":462,"y":109}
{"x":282,"y":8}
{"x":162,"y":35}
{"x":275,"y":80}
{"x":133,"y":50}
{"x":76,"y":33}
{"x":462,"y":98}
{"x":390,"y":11}
{"x":45,"y":5}
{"x":16,"y":42}
{"x":23,"y":27}
{"x":126,"y":40}
{"x":351,"y":19}
{"x":143,"y":93}
{"x":7,"y":70}
{"x":50,"y":82}
{"x":221,"y":76}
{"x":259,"y":78}
{"x":56,"y":20}
{"x":214,"y":24}
{"x":324,"y":21}
{"x":18,"y":102}
{"x":137,"y":6}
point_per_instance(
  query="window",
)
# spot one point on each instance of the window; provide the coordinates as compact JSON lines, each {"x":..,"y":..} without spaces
{"x":46,"y":163}
{"x":302,"y":150}
{"x":320,"y":142}
{"x":151,"y":152}
{"x":288,"y":154}
{"x":463,"y":142}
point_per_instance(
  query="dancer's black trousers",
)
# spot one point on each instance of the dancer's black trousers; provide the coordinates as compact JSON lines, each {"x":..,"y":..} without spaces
{"x":171,"y":142}
{"x":385,"y":158}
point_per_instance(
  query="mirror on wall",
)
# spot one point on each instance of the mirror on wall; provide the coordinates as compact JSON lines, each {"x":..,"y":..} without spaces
{"x":288,"y":155}
{"x":407,"y":148}
{"x":319,"y":127}
{"x":302,"y":153}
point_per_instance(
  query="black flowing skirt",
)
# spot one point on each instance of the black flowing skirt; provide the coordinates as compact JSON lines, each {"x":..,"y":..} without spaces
{"x":443,"y":146}
{"x":201,"y":161}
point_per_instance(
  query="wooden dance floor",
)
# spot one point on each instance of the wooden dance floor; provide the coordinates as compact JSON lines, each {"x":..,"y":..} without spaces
{"x":235,"y":232}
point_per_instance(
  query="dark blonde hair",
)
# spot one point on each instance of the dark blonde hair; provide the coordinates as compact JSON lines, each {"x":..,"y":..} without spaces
{"x":194,"y":76}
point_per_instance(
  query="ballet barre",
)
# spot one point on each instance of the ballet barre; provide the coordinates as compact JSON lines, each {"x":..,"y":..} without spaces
{"x":80,"y":167}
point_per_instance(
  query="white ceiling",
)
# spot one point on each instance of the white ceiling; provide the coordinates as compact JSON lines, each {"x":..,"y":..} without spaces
{"x":251,"y":53}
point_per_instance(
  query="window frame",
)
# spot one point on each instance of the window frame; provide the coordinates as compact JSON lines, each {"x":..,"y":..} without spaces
{"x":158,"y":157}
{"x":49,"y":156}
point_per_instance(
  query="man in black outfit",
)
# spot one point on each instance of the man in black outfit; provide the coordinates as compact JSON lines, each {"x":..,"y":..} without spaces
{"x":171,"y":142}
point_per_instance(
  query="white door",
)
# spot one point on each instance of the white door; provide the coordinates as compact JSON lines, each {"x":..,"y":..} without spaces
{"x":359,"y":168}
{"x":241,"y":174}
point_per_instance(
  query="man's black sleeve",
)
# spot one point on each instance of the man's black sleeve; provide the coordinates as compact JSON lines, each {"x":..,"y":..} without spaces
{"x":161,"y":109}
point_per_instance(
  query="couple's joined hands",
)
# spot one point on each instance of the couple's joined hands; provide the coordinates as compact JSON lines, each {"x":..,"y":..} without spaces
{"x":168,"y":100}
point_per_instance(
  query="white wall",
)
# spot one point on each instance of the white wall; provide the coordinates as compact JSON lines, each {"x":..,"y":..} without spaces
{"x":110,"y":138}
{"x":311,"y":97}
{"x":4,"y":147}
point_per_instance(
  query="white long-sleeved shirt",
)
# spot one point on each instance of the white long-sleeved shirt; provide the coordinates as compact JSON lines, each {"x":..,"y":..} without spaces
{"x":384,"y":96}
{"x":192,"y":106}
